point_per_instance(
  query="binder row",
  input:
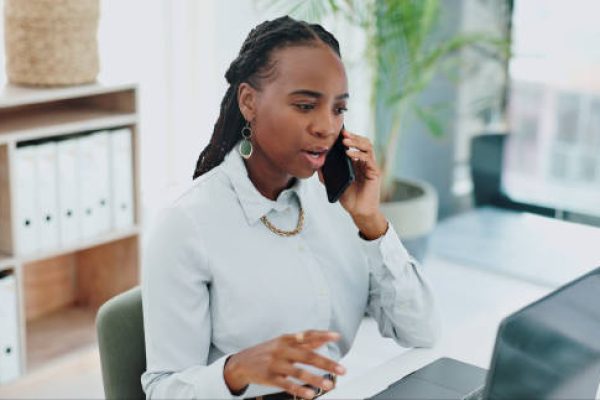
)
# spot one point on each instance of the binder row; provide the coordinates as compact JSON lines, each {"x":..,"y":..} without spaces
{"x":72,"y":190}
{"x":9,"y":330}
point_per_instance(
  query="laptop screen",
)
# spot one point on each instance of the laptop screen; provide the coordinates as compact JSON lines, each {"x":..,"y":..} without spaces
{"x":551,"y":348}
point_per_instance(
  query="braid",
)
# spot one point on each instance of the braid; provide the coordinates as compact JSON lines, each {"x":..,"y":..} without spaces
{"x":252,"y":65}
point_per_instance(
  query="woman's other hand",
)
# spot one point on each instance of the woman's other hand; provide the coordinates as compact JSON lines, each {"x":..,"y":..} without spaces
{"x":271,"y":363}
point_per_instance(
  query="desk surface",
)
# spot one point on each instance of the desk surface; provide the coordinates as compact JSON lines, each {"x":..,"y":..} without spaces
{"x":471,"y":303}
{"x":542,"y":250}
{"x":484,"y":265}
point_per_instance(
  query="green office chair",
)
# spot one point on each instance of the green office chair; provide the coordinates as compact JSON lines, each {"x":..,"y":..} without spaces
{"x":120,"y":329}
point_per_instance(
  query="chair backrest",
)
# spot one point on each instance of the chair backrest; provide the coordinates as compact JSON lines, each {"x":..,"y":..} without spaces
{"x":487,"y":154}
{"x":486,"y":167}
{"x":122,"y":349}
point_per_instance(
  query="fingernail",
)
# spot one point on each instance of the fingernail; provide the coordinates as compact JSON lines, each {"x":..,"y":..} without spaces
{"x":340,"y":369}
{"x":308,"y":393}
{"x":327,"y":384}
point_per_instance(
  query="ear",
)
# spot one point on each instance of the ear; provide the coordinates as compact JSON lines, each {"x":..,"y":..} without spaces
{"x":247,"y":99}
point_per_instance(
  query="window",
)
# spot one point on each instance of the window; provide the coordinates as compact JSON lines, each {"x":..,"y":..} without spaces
{"x":553,"y":153}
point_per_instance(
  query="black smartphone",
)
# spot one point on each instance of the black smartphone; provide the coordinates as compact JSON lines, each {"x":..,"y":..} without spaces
{"x":338,"y":172}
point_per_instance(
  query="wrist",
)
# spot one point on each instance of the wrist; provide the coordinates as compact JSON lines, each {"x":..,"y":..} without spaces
{"x":233,"y":375}
{"x":372,"y":226}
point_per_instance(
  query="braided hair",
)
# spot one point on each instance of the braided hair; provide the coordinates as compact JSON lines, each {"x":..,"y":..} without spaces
{"x":252,"y":65}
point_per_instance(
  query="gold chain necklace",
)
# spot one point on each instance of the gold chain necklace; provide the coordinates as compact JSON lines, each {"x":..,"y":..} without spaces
{"x":280,"y":232}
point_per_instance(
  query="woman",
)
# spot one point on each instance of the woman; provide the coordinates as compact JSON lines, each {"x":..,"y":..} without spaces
{"x":252,"y":272}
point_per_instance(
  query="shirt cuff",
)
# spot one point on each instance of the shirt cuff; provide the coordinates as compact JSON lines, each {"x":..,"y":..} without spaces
{"x":217,"y":387}
{"x":386,"y":250}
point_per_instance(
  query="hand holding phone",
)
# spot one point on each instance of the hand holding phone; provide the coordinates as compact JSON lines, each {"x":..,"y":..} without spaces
{"x":362,"y":186}
{"x":338,"y":172}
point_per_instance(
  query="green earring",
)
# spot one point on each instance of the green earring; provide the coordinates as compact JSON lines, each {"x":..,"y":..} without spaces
{"x":245,"y":148}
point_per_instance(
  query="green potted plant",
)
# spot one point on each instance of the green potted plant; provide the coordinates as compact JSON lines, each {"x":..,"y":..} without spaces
{"x":404,"y":56}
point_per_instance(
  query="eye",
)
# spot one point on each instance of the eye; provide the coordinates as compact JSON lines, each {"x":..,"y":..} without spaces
{"x":305,"y":106}
{"x":341,"y":110}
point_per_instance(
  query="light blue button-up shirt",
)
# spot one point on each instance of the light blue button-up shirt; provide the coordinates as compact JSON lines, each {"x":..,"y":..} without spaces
{"x":216,"y":280}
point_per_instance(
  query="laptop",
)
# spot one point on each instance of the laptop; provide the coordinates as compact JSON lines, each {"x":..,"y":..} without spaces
{"x":548,"y":350}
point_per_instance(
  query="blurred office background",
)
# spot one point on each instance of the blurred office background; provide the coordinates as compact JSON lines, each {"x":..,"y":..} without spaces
{"x":178,"y":53}
{"x":521,"y":134}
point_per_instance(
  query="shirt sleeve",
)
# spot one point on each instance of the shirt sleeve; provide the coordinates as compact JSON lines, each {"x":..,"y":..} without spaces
{"x":177,"y":321}
{"x":400,"y":298}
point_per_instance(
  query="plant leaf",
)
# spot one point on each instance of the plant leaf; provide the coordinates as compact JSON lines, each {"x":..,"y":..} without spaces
{"x":430,"y":119}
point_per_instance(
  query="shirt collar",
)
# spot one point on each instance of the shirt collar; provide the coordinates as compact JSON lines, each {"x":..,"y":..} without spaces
{"x":254,"y":204}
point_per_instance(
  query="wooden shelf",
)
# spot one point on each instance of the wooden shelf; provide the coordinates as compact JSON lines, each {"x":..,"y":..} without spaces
{"x":97,"y":241}
{"x":16,"y":96}
{"x":6,"y":261}
{"x":60,"y":120}
{"x":29,"y":114}
{"x":58,"y":334}
{"x":59,"y":291}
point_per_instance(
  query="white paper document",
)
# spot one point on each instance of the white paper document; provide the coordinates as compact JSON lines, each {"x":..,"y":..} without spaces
{"x":27,"y":224}
{"x":69,"y":218}
{"x":121,"y":178}
{"x":47,"y":196}
{"x":94,"y":184}
{"x":9,"y":332}
{"x":102,"y":184}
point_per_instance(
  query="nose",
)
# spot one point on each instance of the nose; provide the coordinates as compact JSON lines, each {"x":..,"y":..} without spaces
{"x":326,"y":124}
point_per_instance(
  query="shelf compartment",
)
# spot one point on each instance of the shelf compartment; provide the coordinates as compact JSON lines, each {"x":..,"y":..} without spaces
{"x":63,"y":294}
{"x":107,"y":270}
{"x":58,"y":334}
{"x":86,"y":277}
{"x":99,"y":240}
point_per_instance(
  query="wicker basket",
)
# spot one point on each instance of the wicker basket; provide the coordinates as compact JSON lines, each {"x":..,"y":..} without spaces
{"x":51,"y":42}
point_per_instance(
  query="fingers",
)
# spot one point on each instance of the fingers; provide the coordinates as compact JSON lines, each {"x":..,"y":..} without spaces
{"x":370,"y":170}
{"x":358,"y":142}
{"x":356,"y":155}
{"x":298,"y":348}
{"x":288,"y":369}
{"x":361,"y":153}
{"x":309,"y":357}
{"x":293,"y":388}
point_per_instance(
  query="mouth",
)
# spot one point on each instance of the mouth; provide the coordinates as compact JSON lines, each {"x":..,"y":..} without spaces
{"x":316,"y":152}
{"x":315,"y":156}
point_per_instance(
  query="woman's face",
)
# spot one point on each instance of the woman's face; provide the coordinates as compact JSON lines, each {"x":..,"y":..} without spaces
{"x":298,"y":113}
